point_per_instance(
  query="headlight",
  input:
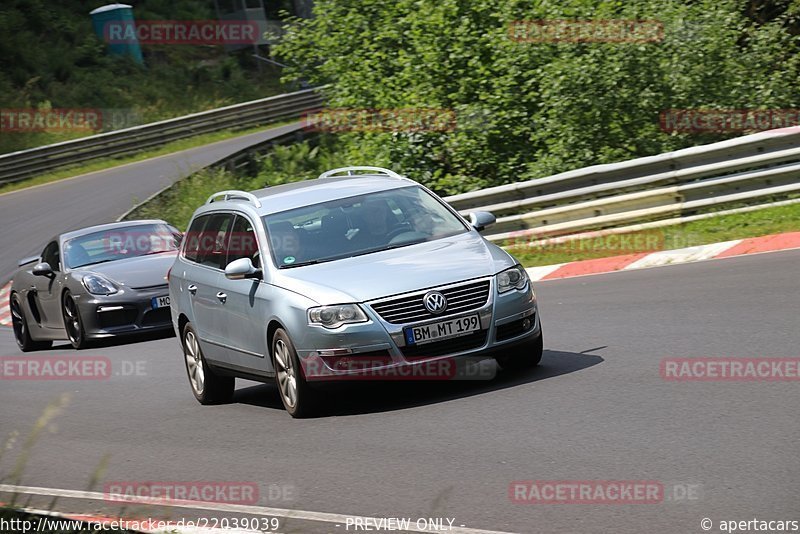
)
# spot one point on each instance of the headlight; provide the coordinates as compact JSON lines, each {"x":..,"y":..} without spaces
{"x":336,"y":316}
{"x":97,"y":285}
{"x":513,"y":278}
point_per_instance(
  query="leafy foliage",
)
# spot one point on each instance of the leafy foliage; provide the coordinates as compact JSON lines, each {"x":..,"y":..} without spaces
{"x":283,"y":164}
{"x":50,"y":57}
{"x":528,"y":110}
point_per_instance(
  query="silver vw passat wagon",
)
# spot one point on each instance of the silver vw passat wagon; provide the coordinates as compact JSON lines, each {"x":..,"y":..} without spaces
{"x":352,"y":275}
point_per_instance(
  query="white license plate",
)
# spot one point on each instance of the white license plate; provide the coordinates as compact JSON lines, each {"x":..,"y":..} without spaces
{"x":419,"y":335}
{"x":160,"y":302}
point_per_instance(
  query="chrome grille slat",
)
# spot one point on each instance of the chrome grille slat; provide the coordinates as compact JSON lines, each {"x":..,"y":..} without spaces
{"x":410,"y":308}
{"x":151,"y":288}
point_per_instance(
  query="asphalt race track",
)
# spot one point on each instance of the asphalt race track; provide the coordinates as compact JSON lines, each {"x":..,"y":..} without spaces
{"x":30,"y":217}
{"x":596,"y":409}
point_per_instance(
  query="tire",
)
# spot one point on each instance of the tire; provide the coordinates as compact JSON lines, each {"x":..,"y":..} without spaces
{"x":530,"y":358}
{"x":73,"y":324}
{"x":22,"y":333}
{"x":207,"y":386}
{"x":299,"y":399}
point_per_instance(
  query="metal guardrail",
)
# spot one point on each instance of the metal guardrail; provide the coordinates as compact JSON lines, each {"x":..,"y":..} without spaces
{"x":741,"y":171}
{"x":244,"y":161}
{"x":27,"y":163}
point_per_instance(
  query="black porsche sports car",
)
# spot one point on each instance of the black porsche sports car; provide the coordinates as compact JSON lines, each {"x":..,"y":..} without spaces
{"x":94,"y":283}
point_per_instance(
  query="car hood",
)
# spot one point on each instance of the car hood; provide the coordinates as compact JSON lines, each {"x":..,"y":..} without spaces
{"x":380,"y":274}
{"x":143,"y":271}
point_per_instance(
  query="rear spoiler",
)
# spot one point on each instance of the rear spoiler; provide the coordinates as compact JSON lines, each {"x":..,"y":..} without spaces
{"x":28,"y":260}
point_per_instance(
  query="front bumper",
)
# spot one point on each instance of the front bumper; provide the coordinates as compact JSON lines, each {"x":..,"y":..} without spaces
{"x":128,"y":312}
{"x":378,"y":349}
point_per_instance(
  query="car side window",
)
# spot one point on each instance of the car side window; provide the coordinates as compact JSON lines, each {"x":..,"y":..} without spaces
{"x":243,"y":242}
{"x":51,"y":256}
{"x":214,"y":241}
{"x":191,"y":249}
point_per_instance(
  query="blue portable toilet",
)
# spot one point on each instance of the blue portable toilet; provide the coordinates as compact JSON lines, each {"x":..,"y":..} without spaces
{"x":114,"y":24}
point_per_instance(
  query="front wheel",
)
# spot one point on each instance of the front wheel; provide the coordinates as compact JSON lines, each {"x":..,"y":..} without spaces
{"x":297,"y":396}
{"x":528,"y":357}
{"x":207,"y":386}
{"x":73,"y":324}
{"x":22,"y":333}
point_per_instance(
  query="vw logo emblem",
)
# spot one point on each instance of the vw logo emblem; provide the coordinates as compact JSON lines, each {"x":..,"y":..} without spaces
{"x":435,"y":302}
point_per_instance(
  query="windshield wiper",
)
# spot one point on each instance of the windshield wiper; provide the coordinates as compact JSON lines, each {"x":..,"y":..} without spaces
{"x":94,"y":263}
{"x":390,"y":247}
{"x":300,"y":264}
{"x":155,"y":252}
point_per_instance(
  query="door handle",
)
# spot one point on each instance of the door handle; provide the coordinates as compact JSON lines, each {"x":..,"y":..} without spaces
{"x":192,"y":289}
{"x":222,"y":297}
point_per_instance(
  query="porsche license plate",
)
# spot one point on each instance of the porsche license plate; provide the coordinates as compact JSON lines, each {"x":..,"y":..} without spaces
{"x":160,"y":302}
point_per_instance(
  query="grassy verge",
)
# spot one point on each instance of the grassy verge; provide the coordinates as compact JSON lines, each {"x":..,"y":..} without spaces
{"x":712,"y":230}
{"x":107,"y":163}
{"x":298,"y":161}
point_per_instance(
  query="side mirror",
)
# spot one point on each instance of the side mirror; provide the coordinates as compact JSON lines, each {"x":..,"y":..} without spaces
{"x":481,"y":219}
{"x":241,"y":269}
{"x":43,"y":269}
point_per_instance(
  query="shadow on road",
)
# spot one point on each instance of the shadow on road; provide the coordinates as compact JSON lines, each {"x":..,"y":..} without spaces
{"x":115,"y":341}
{"x":354,"y":398}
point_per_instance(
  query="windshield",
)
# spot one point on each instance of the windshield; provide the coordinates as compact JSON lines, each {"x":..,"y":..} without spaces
{"x":120,"y":243}
{"x":358,"y":225}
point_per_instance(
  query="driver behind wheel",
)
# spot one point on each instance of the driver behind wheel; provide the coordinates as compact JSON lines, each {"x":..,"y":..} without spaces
{"x":378,"y":223}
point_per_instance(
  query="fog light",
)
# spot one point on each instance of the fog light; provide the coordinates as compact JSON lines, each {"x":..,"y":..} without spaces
{"x":526,"y":324}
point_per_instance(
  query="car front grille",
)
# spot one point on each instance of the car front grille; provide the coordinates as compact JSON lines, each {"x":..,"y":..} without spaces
{"x":408,"y":309}
{"x":165,"y":287}
{"x":444,"y":347}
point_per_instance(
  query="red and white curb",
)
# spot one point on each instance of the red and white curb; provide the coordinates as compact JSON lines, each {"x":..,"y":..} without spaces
{"x":726,"y":249}
{"x":5,"y":310}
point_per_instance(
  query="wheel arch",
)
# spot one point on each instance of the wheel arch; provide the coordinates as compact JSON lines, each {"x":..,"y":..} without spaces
{"x":183,"y":319}
{"x":272,"y":327}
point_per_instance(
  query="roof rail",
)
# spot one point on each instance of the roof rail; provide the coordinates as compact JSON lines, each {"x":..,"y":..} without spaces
{"x":351,"y":171}
{"x":233,"y":194}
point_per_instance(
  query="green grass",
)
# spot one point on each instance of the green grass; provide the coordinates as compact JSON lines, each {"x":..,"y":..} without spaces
{"x":712,"y":230}
{"x":107,"y":163}
{"x":294,"y":162}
